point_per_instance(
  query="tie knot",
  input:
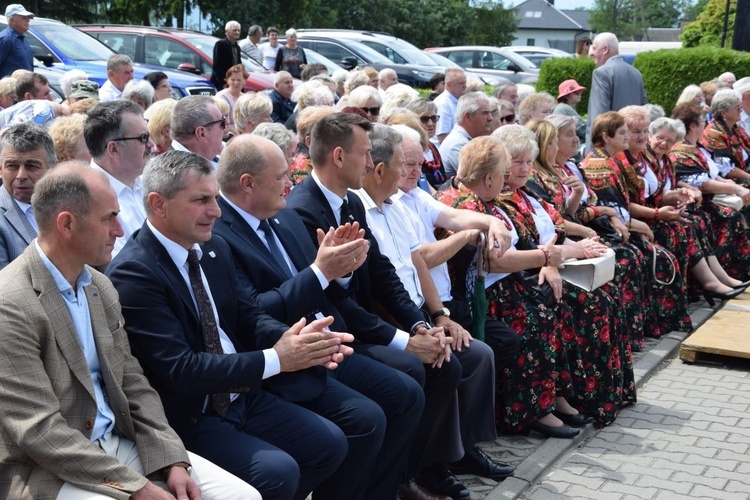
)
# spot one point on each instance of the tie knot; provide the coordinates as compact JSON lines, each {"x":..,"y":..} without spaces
{"x":192,"y":258}
{"x":265,"y":227}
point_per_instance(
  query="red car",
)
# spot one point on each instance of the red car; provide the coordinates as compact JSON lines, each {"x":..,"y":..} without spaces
{"x":172,"y":48}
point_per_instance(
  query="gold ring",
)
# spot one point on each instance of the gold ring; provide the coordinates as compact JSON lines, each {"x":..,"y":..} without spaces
{"x":355,"y":260}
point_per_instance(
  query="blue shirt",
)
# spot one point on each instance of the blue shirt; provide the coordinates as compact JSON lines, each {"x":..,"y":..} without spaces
{"x":15,"y":52}
{"x":78,"y":307}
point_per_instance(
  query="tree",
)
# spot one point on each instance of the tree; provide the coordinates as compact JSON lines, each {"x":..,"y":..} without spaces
{"x":629,"y":19}
{"x":707,"y":28}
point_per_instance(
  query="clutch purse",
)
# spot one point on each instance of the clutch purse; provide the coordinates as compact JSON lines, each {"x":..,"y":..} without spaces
{"x":543,"y":293}
{"x":728,"y":200}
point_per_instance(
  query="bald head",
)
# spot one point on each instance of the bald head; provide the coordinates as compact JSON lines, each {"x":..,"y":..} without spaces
{"x":387,"y":78}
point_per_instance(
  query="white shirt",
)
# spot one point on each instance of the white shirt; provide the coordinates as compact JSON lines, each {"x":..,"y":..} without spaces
{"x":132,"y":212}
{"x":446,"y":109}
{"x":108,"y":92}
{"x":28,"y":211}
{"x":179,"y":256}
{"x":391,"y":226}
{"x":268,"y":54}
{"x":745,"y":121}
{"x":178,"y":146}
{"x":424,"y":211}
{"x":543,"y":222}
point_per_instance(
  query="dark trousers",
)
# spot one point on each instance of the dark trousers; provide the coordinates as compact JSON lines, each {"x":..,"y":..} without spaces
{"x":283,"y":450}
{"x":439,"y":390}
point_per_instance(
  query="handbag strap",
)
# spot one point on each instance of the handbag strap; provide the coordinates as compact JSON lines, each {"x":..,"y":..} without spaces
{"x":672,"y":263}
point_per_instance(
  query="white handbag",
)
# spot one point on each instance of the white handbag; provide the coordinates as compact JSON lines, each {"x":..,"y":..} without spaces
{"x":728,"y":200}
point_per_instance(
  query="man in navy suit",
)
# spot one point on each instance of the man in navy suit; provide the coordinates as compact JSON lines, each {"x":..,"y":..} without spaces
{"x":287,"y":278}
{"x":340,"y":153}
{"x":208,"y":350}
{"x":27,"y":153}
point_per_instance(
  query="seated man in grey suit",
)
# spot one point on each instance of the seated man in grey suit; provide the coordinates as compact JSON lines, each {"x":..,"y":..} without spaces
{"x":614,"y":83}
{"x":27,"y":153}
{"x":79,"y":420}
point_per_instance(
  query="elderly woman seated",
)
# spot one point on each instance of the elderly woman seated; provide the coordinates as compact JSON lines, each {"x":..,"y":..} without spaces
{"x":67,"y":136}
{"x":536,"y":106}
{"x":159,"y":116}
{"x":251,"y":110}
{"x":726,"y":140}
{"x":140,"y":92}
{"x":368,"y":100}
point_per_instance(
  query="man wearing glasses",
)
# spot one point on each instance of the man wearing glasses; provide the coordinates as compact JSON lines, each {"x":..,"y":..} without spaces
{"x":120,"y":146}
{"x":198,"y":127}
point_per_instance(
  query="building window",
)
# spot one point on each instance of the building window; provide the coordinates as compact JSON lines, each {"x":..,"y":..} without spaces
{"x":531,"y":41}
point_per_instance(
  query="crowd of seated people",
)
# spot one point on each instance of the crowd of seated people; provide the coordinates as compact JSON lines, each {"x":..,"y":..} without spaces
{"x":317,"y":303}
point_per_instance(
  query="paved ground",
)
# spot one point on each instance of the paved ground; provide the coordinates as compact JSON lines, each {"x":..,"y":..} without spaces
{"x":686,"y":436}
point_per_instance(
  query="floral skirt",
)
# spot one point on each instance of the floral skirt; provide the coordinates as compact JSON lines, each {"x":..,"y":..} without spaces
{"x":667,"y":304}
{"x":730,"y":238}
{"x":526,"y":391}
{"x":627,"y":290}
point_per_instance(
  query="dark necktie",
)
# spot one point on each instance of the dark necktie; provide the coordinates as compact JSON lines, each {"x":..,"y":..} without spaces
{"x":346,"y":214}
{"x":274,"y":249}
{"x":209,"y":328}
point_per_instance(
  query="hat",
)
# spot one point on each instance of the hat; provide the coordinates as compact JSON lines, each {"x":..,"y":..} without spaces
{"x":16,"y":9}
{"x":84,"y":88}
{"x":742,"y":85}
{"x":568,"y":87}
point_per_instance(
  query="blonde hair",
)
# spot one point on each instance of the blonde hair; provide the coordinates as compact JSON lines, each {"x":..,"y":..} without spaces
{"x":308,"y":117}
{"x":66,"y":133}
{"x":411,"y":120}
{"x":480,"y":157}
{"x":159,"y":115}
{"x":250,"y":109}
{"x":529,"y":106}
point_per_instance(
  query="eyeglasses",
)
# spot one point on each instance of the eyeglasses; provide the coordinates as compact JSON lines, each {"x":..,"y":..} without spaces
{"x":433,"y":118}
{"x":143,"y":138}
{"x":508,"y":119}
{"x":371,"y":111}
{"x":222,"y":123}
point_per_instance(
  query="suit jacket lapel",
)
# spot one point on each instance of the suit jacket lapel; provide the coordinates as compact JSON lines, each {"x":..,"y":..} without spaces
{"x":59,"y":317}
{"x":16,"y":217}
{"x":322,"y":202}
{"x":290,"y":242}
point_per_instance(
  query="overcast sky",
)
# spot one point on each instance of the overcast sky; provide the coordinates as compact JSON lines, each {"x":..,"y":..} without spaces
{"x":561,"y":4}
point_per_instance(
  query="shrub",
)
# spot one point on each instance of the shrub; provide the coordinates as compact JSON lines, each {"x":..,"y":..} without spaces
{"x":556,"y":70}
{"x":667,"y":72}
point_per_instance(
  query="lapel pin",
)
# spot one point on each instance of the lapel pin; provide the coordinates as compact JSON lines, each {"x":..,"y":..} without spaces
{"x":212,"y":254}
{"x":276,"y":220}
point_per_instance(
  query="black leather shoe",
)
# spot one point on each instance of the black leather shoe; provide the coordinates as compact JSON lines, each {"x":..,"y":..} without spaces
{"x":576,"y":420}
{"x":438,"y":480}
{"x":564,"y":432}
{"x":743,"y":285}
{"x":412,"y":491}
{"x":710,"y":296}
{"x":477,"y":462}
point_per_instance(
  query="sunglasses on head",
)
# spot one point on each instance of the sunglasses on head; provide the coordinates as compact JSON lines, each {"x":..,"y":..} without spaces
{"x":433,"y":118}
{"x":372,"y":111}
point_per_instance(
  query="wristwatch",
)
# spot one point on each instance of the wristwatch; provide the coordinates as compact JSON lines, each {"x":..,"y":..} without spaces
{"x":185,"y":465}
{"x":441,"y":312}
{"x":421,"y":324}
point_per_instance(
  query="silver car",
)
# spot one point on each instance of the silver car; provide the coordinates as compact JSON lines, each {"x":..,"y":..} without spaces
{"x":495,"y":60}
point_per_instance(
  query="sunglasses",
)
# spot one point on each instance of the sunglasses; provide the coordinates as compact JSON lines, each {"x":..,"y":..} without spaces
{"x":371,"y":111}
{"x":143,"y":138}
{"x":222,"y":123}
{"x":508,"y":119}
{"x":426,"y":119}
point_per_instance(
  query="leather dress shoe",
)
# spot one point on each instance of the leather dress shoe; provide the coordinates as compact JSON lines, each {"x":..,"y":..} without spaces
{"x":564,"y":431}
{"x":412,"y":491}
{"x":477,"y":462}
{"x":575,"y":420}
{"x":438,"y":480}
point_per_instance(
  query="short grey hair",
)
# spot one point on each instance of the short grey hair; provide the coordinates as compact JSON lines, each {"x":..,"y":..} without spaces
{"x":281,"y":74}
{"x":469,"y":103}
{"x":255,"y":30}
{"x":500,"y":89}
{"x":725,"y":99}
{"x":140,"y":89}
{"x":313,"y":93}
{"x":291,"y":32}
{"x":609,"y":40}
{"x":384,"y":141}
{"x":339,"y":76}
{"x":360,"y":95}
{"x":503,"y":104}
{"x":231,"y":24}
{"x":355,"y":79}
{"x":407,"y":133}
{"x":69,"y":78}
{"x":166,"y":174}
{"x":276,"y":133}
{"x":421,"y":106}
{"x":190,"y":113}
{"x":63,"y":189}
{"x":116,"y":60}
{"x":241,"y":156}
{"x":561,"y":121}
{"x":250,"y":108}
{"x":689,"y":93}
{"x":517,"y":140}
{"x":654,"y":111}
{"x":674,"y":126}
{"x":27,"y":137}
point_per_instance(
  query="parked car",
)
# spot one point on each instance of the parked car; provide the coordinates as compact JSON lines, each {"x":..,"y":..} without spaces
{"x":351,"y":53}
{"x":314,"y":57}
{"x":487,"y":78}
{"x":537,"y":55}
{"x":60,"y":46}
{"x":498,"y":61}
{"x":177,"y":49}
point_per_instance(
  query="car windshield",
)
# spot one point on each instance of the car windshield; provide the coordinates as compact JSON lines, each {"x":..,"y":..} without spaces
{"x":205,"y":44}
{"x":411,"y":53}
{"x":370,"y":54}
{"x":441,"y":60}
{"x":73,"y":44}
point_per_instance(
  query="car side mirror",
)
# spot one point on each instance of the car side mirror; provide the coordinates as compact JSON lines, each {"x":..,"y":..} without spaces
{"x":189,"y":67}
{"x":514,"y":68}
{"x":43,"y":56}
{"x":349,"y":63}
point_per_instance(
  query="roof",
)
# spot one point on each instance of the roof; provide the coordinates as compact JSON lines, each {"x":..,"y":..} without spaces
{"x":579,"y":16}
{"x":540,"y":14}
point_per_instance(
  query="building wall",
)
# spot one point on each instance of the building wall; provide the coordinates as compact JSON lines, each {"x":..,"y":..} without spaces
{"x":557,"y":39}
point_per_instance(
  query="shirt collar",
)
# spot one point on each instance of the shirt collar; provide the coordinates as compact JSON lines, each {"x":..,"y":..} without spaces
{"x":252,"y":220}
{"x":178,"y":254}
{"x":118,"y":186}
{"x":333,"y":199}
{"x":83,"y":279}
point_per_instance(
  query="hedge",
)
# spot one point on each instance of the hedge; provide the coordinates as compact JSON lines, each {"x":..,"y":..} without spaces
{"x":665,"y":72}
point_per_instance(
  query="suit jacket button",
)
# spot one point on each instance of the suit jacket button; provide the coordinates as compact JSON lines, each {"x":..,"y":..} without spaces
{"x":193,"y":420}
{"x":89,"y":425}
